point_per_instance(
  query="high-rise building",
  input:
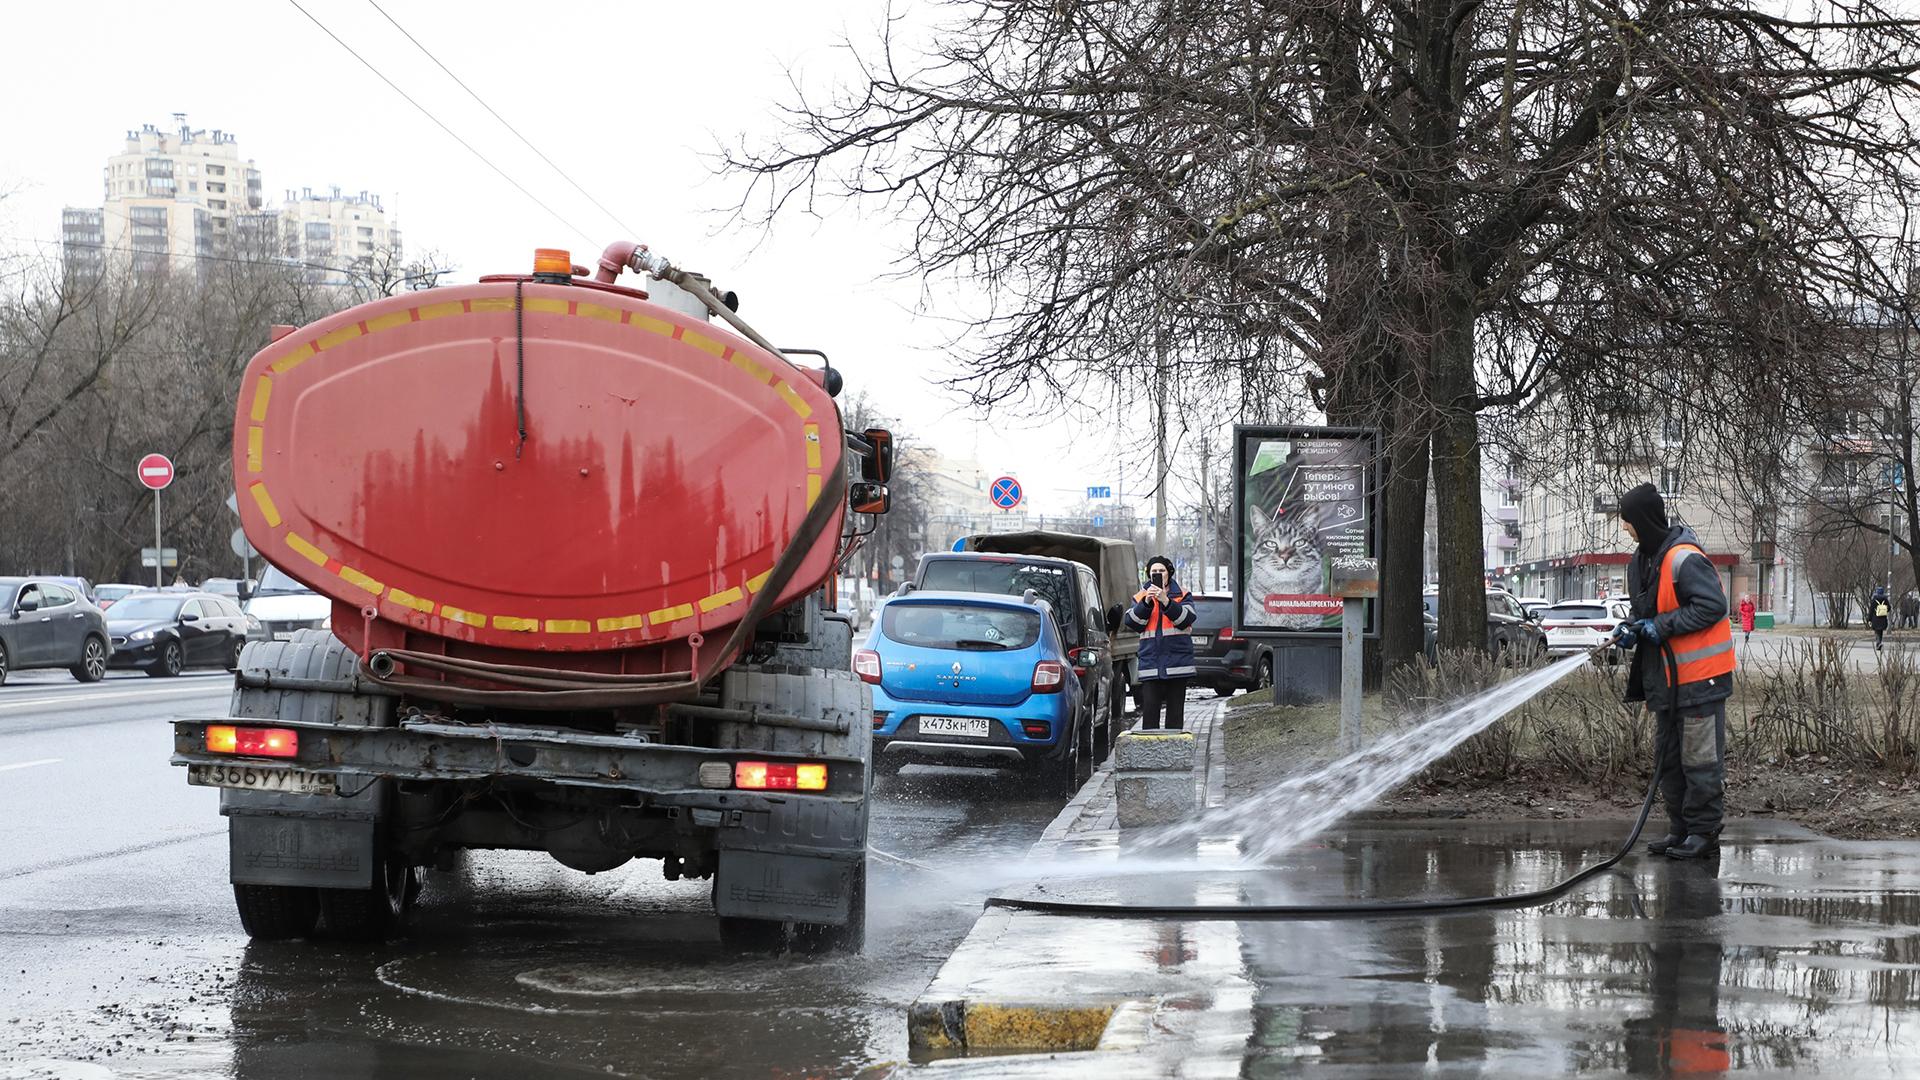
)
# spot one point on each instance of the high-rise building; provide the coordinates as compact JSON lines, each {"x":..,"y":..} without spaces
{"x":176,"y":197}
{"x":336,"y":230}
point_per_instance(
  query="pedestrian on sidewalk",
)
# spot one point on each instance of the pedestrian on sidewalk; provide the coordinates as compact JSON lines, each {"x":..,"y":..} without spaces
{"x":1678,"y":605}
{"x":1879,"y":609}
{"x":1163,"y":615}
{"x":1746,"y":620}
{"x":1910,"y":609}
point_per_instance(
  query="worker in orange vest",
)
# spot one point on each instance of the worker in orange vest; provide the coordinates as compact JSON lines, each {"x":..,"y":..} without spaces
{"x":1679,"y":611}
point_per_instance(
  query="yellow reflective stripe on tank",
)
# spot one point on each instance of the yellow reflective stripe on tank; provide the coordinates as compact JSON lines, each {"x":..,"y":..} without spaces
{"x":752,"y":367}
{"x":337,"y":337}
{"x":720,"y":599}
{"x":755,"y":584}
{"x":408,"y":600}
{"x":813,"y":445}
{"x":300,"y":544}
{"x":448,"y":611}
{"x":813,"y":488}
{"x":793,"y":399}
{"x":546,"y":305}
{"x":569,"y":626}
{"x":265,"y":502}
{"x":355,"y":577}
{"x":256,"y":447}
{"x":515,"y":622}
{"x":704,"y":343}
{"x":621,"y":622}
{"x":598,"y":311}
{"x":295,"y":358}
{"x":390,"y":320}
{"x":435,"y":311}
{"x":670,"y":614}
{"x":262,"y":393}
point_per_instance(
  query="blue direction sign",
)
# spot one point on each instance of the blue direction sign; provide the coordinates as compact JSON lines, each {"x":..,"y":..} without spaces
{"x":1099,"y":521}
{"x":1005,"y":493}
{"x":1099,"y":493}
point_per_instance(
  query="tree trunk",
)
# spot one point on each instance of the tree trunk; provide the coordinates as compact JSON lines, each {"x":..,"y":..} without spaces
{"x":1456,"y":476}
{"x":1402,"y":536}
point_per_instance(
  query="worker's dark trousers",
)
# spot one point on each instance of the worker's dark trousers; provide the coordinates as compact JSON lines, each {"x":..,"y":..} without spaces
{"x":1167,"y":694}
{"x":1693,"y":767}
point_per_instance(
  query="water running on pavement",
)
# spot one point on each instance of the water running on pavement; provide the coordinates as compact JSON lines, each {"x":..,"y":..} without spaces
{"x":1293,"y":811}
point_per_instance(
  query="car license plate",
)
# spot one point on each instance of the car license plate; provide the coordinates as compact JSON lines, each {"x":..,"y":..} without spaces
{"x":968,"y":727}
{"x":1200,"y":640}
{"x":261,"y":778}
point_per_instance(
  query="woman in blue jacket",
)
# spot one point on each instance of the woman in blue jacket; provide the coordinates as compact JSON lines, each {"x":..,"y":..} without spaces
{"x":1162,"y":615}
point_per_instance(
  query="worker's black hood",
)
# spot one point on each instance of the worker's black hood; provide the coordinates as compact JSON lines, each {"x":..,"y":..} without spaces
{"x":1645,"y":510}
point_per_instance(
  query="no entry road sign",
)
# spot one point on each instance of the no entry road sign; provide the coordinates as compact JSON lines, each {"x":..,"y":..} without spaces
{"x":1005,"y":493}
{"x":155,"y":471}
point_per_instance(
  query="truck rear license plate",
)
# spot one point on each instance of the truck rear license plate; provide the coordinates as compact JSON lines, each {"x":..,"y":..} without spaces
{"x":257,"y":778}
{"x":970,"y":727}
{"x":1200,"y":641}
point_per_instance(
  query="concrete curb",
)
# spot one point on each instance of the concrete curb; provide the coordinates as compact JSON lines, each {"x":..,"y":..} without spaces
{"x":950,"y":1018}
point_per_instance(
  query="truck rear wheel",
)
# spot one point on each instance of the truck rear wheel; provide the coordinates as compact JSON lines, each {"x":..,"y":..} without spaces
{"x":277,"y":912}
{"x":374,"y":914}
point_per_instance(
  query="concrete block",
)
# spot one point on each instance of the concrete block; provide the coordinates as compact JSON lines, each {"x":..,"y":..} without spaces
{"x":1153,"y":750}
{"x":1152,"y":798}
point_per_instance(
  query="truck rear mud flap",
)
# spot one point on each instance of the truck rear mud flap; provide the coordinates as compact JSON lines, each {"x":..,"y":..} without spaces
{"x":802,"y":888}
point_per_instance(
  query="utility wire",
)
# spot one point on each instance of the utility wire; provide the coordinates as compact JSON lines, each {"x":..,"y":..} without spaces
{"x":424,"y":111}
{"x":632,"y":232}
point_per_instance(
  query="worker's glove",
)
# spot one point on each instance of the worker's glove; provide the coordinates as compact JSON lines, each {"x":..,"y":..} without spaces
{"x":1625,"y":635}
{"x":1647,"y":632}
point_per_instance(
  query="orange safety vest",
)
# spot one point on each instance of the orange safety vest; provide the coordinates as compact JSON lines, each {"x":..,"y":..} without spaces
{"x":1704,"y":653}
{"x":1158,"y":621}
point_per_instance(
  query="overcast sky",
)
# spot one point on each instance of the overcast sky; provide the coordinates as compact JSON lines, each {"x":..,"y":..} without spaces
{"x":629,"y":98}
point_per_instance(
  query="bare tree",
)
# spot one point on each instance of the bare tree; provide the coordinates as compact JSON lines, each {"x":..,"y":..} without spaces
{"x":1420,"y":211}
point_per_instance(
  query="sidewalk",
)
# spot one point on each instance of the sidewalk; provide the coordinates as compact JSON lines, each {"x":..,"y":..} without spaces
{"x":1030,"y":982}
{"x":1791,"y":949}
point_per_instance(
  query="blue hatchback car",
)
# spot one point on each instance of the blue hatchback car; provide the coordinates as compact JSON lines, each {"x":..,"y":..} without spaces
{"x":976,"y":679}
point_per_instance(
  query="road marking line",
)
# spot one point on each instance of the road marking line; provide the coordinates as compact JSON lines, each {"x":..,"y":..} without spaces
{"x":31,"y":764}
{"x":88,"y":699}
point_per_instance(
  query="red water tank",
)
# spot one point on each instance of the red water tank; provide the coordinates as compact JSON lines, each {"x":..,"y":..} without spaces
{"x":523,"y":467}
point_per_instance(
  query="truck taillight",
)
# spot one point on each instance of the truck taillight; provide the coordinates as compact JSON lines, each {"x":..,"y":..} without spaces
{"x":252,"y":741}
{"x":1048,"y":675}
{"x":1225,"y":634}
{"x":866,"y":664}
{"x":779,"y":776}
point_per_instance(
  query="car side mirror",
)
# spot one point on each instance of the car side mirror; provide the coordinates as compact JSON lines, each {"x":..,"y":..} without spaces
{"x":29,"y":603}
{"x":1114,"y":615}
{"x":189,"y":617}
{"x":868,"y":498}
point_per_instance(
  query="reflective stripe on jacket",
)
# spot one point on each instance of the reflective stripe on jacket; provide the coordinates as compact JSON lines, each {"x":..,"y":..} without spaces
{"x":1166,"y":649}
{"x":1703,"y":654}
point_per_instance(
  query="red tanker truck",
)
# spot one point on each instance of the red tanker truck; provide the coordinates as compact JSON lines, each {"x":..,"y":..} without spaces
{"x":577,"y":539}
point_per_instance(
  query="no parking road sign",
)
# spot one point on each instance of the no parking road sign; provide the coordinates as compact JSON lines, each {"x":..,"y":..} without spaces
{"x":1005,"y":493}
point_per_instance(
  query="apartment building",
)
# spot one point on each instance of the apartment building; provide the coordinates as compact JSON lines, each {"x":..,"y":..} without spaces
{"x":336,"y":230}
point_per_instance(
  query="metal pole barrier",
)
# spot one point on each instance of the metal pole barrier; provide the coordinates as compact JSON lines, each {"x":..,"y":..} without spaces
{"x":1352,"y":622}
{"x":159,"y":553}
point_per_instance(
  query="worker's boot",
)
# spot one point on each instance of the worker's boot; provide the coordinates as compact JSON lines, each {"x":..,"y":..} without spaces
{"x":1694,"y":846}
{"x":1661,"y":846}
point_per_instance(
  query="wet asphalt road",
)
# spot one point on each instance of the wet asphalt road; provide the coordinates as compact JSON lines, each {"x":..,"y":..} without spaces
{"x":120,"y":954}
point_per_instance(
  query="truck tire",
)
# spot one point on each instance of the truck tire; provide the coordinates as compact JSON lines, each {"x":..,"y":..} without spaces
{"x":349,"y":914}
{"x":277,"y":912}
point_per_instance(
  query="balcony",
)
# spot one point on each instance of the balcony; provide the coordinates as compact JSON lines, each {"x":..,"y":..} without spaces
{"x":1510,"y":514}
{"x":1503,"y":542}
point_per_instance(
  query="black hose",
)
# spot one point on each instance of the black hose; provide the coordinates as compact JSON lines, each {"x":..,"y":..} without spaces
{"x":1377,"y":908}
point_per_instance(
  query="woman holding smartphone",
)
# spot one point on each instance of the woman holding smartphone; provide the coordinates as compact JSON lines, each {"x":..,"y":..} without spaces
{"x":1162,"y":615}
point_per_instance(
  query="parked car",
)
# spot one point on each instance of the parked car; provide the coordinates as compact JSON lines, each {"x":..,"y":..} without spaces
{"x":1576,"y":626}
{"x":234,"y":589}
{"x":284,"y":607}
{"x":1074,"y":595}
{"x":1116,"y":574}
{"x":1224,"y":662}
{"x":104,"y":596}
{"x":1513,"y":637}
{"x":976,"y":678}
{"x":163,"y":632}
{"x":45,"y":623}
{"x":1532,"y":605}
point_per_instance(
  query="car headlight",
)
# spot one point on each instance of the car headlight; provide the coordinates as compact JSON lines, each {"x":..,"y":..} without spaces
{"x":140,"y":635}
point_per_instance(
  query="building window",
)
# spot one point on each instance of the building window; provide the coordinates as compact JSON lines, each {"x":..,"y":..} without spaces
{"x":193,"y":185}
{"x":216,"y":170}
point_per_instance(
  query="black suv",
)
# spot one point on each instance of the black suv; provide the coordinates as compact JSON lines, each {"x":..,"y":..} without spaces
{"x":1074,"y":594}
{"x":1222,"y":661}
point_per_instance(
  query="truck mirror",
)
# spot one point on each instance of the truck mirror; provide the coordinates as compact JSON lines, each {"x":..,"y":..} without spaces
{"x":866,"y":498}
{"x":877,"y":467}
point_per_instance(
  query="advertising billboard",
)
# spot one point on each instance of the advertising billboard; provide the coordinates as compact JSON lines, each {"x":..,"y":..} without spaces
{"x":1305,"y":500}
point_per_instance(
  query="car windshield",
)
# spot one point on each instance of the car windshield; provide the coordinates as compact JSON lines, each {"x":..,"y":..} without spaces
{"x":1006,"y":577}
{"x":147,"y":608}
{"x":1576,"y":611}
{"x":276,"y":583}
{"x":960,"y":626}
{"x":1212,"y":612}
